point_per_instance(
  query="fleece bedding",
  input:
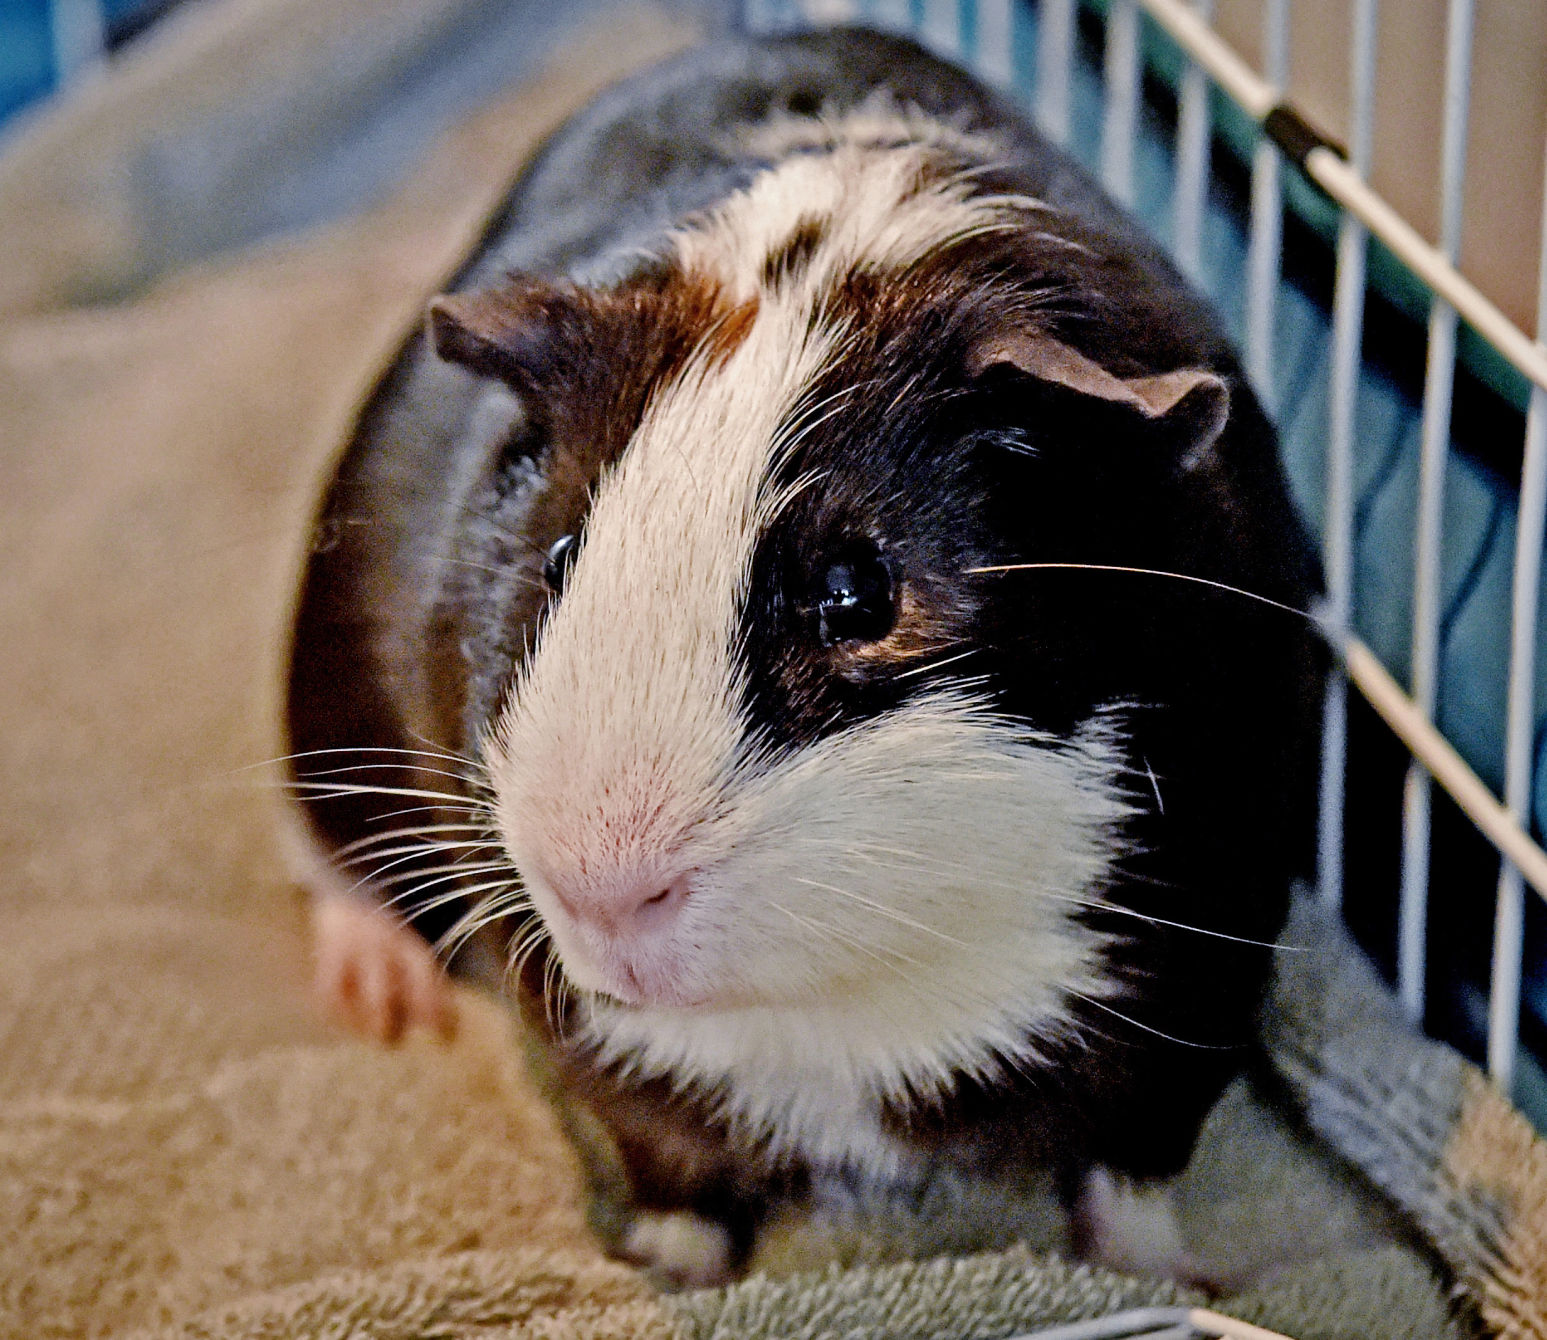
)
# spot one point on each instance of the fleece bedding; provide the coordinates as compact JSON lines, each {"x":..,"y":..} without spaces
{"x":185,"y":1149}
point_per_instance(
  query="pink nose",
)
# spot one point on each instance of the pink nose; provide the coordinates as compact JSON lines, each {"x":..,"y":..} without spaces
{"x":628,"y":909}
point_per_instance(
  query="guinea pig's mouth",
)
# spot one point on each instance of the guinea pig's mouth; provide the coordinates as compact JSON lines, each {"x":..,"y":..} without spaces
{"x":628,"y":988}
{"x":619,"y":980}
{"x":625,"y":950}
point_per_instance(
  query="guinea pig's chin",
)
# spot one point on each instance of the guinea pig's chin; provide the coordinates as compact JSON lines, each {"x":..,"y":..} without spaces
{"x":625,"y":981}
{"x":633,"y":993}
{"x":636,"y":988}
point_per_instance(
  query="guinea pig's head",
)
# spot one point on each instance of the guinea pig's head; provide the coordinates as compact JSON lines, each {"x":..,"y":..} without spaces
{"x":777,"y":738}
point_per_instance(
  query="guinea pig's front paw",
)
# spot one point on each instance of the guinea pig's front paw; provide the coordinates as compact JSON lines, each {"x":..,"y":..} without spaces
{"x":681,"y":1249}
{"x":375,"y":975}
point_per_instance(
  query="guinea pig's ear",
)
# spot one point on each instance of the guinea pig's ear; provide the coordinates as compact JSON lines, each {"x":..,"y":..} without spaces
{"x":502,"y":333}
{"x":1190,"y":405}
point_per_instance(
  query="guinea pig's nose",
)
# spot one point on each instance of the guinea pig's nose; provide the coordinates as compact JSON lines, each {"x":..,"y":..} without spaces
{"x":653,"y":906}
{"x":638,"y":908}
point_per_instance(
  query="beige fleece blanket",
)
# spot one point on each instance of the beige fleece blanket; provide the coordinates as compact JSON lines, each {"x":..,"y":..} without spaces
{"x":185,"y":1150}
{"x":179,"y":1135}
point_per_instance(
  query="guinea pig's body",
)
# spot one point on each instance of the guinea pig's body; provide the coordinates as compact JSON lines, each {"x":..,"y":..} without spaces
{"x":749,"y":579}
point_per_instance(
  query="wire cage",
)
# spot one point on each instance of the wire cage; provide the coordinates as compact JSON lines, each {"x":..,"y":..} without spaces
{"x":1413,"y":411}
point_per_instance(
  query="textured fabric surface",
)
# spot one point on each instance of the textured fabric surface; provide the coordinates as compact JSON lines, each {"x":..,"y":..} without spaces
{"x":179,"y":1137}
{"x":186,"y":1151}
{"x":1466,"y":1170}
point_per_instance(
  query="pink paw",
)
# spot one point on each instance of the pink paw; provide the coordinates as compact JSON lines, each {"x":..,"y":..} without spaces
{"x":375,"y":975}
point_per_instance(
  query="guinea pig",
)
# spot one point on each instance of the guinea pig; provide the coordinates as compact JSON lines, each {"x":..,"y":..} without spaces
{"x":815,"y":612}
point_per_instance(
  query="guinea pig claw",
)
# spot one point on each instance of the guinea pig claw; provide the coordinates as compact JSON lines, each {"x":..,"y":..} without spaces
{"x":375,"y":975}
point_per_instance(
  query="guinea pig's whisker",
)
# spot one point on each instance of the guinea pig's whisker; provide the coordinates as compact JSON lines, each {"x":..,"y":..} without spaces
{"x":463,"y":864}
{"x":1142,"y":572}
{"x":1184,"y":926}
{"x":913,"y":861}
{"x":511,"y":901}
{"x":554,"y":983}
{"x":437,"y":875}
{"x":1134,"y":1023}
{"x":503,"y":532}
{"x":462,"y":855}
{"x":498,"y":898}
{"x":430,"y":850}
{"x":413,"y":848}
{"x":377,"y":767}
{"x":375,"y":876}
{"x":469,"y":807}
{"x":507,"y":900}
{"x":482,"y":567}
{"x":457,"y":935}
{"x":881,"y":909}
{"x":826,"y":928}
{"x":935,"y":665}
{"x":525,"y":945}
{"x":459,"y":893}
{"x":416,"y":830}
{"x":350,"y":789}
{"x":1087,"y":1030}
{"x":500,"y":902}
{"x":358,"y":750}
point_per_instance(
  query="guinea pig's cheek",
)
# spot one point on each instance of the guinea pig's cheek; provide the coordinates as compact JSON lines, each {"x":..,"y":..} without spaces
{"x":577,"y":965}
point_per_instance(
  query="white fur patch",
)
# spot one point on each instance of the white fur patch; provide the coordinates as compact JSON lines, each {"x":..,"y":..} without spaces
{"x":884,"y":182}
{"x":894,"y":906}
{"x":620,"y":739}
{"x":874,"y":913}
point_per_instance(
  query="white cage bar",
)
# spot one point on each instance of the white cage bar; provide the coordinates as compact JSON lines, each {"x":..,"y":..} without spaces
{"x":1265,"y":239}
{"x":1055,"y":68}
{"x":1193,"y":128}
{"x":890,"y":13}
{"x":994,"y":41}
{"x":1439,"y":385}
{"x":1509,"y":912}
{"x":1338,"y":544}
{"x":79,"y":32}
{"x":941,"y":27}
{"x":1345,"y":181}
{"x":1122,"y":76}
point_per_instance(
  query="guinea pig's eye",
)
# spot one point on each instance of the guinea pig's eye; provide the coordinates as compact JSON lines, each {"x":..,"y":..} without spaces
{"x":561,"y":554}
{"x":853,"y":599}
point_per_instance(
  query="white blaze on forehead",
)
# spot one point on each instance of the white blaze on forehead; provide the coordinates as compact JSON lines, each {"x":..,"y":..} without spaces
{"x":623,"y":732}
{"x":883,"y":185}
